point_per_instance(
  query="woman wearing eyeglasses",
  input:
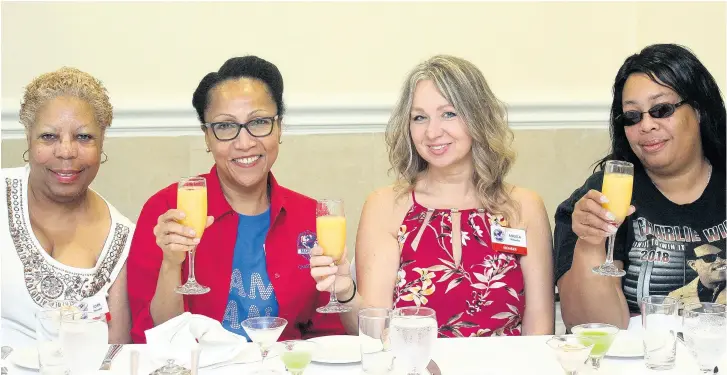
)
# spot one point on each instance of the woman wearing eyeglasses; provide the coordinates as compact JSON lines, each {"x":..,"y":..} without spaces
{"x":668,"y":119}
{"x":253,"y":254}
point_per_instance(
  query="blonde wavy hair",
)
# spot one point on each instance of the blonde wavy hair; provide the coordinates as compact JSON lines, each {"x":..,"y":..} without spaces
{"x":66,"y":82}
{"x":464,"y":86}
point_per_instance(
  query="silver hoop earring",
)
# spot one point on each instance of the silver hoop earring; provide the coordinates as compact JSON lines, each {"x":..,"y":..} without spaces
{"x":24,"y":158}
{"x":106,"y":157}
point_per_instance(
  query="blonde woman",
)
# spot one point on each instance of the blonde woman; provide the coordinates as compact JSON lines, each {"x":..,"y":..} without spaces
{"x":63,"y":242}
{"x":426,"y":241}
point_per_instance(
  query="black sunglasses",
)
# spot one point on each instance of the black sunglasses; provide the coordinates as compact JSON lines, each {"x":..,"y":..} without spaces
{"x":711,"y":258}
{"x":661,"y":110}
{"x":257,"y":127}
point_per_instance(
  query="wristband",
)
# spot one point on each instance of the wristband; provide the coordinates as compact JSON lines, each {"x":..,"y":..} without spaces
{"x":352,"y":295}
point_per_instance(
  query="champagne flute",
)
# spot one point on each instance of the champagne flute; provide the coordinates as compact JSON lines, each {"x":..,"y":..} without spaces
{"x":331,"y":236}
{"x":192,"y":200}
{"x":618,"y":181}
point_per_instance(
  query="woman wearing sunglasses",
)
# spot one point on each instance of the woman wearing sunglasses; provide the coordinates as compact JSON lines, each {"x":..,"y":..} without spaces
{"x":253,"y":255}
{"x":668,"y":120}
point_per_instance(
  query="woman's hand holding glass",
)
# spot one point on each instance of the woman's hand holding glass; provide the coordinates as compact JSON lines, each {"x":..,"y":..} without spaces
{"x":175,"y":239}
{"x":593,"y":223}
{"x":325,"y":271}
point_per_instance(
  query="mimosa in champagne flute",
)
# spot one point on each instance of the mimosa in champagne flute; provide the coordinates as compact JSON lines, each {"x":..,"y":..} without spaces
{"x":192,"y":200}
{"x":618,"y":181}
{"x":331,"y":235}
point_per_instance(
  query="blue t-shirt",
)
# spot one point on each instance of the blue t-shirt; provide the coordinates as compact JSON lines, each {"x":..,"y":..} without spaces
{"x":251,"y":293}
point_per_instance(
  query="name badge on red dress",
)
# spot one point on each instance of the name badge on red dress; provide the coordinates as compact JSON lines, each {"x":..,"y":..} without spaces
{"x":508,"y":240}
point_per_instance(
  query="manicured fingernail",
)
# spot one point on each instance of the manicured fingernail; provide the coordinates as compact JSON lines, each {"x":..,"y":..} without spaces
{"x":612,"y":229}
{"x":196,"y":240}
{"x":604,"y":199}
{"x":191,"y":233}
{"x":610,"y":216}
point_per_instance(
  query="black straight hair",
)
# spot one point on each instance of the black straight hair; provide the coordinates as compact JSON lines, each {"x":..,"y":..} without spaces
{"x":677,"y":68}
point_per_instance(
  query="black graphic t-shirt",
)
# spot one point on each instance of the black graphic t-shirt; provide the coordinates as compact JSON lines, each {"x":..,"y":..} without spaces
{"x":667,"y":249}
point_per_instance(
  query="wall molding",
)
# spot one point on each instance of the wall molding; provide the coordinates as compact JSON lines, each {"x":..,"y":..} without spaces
{"x":163,"y":119}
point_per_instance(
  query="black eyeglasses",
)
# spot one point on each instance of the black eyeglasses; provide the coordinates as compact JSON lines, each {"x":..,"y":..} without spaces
{"x":661,"y":110}
{"x":711,"y":258}
{"x":257,"y":127}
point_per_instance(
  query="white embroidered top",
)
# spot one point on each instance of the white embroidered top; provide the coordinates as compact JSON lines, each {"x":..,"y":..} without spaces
{"x":31,"y":278}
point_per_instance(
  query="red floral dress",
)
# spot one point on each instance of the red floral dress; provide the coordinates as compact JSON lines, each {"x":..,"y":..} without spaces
{"x":482,"y":296}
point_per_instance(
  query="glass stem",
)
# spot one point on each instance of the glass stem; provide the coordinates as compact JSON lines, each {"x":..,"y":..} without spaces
{"x":191,"y":277}
{"x":263,"y":354}
{"x":333,"y":300}
{"x":596,"y":362}
{"x":609,"y":253}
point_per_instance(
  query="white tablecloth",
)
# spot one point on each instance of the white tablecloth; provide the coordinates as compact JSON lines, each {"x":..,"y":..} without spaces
{"x":462,"y":356}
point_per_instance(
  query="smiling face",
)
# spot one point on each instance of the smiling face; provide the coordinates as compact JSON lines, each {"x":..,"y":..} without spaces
{"x":65,"y":145}
{"x":439,"y":134}
{"x":246,"y":160}
{"x":667,"y":144}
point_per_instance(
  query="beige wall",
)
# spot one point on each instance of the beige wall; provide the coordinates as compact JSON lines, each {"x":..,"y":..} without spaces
{"x":158,"y":52}
{"x":348,"y":166}
{"x":152,"y":55}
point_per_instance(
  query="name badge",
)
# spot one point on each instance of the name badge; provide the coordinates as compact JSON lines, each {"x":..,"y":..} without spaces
{"x":96,"y":304}
{"x":508,"y":240}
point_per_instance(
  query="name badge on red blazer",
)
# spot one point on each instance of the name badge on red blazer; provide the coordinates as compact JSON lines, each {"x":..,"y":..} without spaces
{"x":509,"y":240}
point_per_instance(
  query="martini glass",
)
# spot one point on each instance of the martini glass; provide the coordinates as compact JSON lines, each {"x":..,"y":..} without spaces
{"x":600,"y":335}
{"x":572,"y":353}
{"x":264,"y":331}
{"x":296,"y":354}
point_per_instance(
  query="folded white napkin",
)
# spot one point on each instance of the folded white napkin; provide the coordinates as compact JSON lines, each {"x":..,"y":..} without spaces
{"x":177,"y":338}
{"x":635,"y":324}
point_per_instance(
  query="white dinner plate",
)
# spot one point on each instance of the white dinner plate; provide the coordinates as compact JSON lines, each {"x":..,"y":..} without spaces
{"x":25,"y":358}
{"x":627,"y":344}
{"x":337,"y":349}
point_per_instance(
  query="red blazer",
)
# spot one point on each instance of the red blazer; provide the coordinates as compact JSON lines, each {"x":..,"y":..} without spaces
{"x":292,"y":220}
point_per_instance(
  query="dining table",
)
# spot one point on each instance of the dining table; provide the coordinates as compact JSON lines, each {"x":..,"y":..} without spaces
{"x":453,"y":356}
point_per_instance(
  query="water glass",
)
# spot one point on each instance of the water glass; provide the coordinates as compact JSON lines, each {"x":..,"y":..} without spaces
{"x":704,"y":334}
{"x":659,"y":317}
{"x":85,"y":338}
{"x":50,"y":351}
{"x":413,"y":333}
{"x":373,"y":331}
